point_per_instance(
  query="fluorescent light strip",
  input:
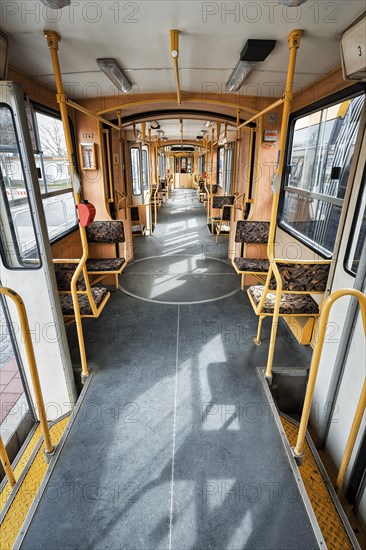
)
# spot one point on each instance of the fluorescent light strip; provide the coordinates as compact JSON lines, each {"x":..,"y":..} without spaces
{"x":113,"y":71}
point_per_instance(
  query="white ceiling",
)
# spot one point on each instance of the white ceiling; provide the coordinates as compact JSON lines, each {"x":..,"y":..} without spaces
{"x":210,"y":45}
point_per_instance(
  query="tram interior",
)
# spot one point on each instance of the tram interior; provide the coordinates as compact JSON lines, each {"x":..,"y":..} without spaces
{"x":182,"y":269}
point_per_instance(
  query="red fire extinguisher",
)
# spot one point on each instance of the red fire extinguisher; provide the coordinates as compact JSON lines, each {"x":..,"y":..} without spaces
{"x":86,"y":212}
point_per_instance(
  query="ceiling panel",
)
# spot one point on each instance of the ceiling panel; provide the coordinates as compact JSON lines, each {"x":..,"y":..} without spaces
{"x":137,"y":35}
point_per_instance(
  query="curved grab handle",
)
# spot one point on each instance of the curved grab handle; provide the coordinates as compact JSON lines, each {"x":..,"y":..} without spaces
{"x":49,"y":448}
{"x":298,"y":450}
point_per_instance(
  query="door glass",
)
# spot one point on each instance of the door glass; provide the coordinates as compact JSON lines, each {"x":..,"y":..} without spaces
{"x":13,"y":399}
{"x":19,"y":247}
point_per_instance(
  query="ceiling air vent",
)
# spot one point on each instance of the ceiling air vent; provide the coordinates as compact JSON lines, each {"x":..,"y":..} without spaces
{"x":179,"y":149}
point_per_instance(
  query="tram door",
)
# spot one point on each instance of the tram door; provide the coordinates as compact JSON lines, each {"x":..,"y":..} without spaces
{"x":140,"y":184}
{"x":26,"y":263}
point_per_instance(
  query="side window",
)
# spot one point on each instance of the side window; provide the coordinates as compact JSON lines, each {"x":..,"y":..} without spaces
{"x":19,"y":247}
{"x":319,"y":162}
{"x":358,"y":231}
{"x":201,"y":165}
{"x":220,"y":166}
{"x":229,"y":166}
{"x":145,"y":169}
{"x":135,"y":171}
{"x":162,"y":165}
{"x":54,"y":175}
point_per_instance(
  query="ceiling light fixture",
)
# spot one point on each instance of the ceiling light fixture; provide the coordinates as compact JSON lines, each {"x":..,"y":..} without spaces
{"x":56,"y":4}
{"x":154,"y":125}
{"x":160,"y":132}
{"x":253,"y":52}
{"x":113,"y":71}
{"x":292,"y":3}
{"x":208,"y":124}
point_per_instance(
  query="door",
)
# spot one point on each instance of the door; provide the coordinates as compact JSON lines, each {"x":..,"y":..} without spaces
{"x":25,"y":257}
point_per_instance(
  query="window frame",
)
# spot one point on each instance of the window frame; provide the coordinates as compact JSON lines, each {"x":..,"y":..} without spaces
{"x":140,"y":183}
{"x":219,"y":149}
{"x":48,"y":111}
{"x":356,"y":217}
{"x":324,"y":103}
{"x":10,"y":217}
{"x":229,"y":170}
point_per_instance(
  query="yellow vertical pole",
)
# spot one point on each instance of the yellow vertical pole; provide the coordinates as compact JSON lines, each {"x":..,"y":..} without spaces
{"x":212,"y":158}
{"x":352,"y":438}
{"x":314,"y":367}
{"x":53,"y":41}
{"x":109,"y":164}
{"x":22,"y":314}
{"x":249,"y":171}
{"x":6,"y":464}
{"x":294,"y":43}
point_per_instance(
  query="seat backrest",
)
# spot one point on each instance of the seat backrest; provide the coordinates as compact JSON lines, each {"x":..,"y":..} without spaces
{"x":222,"y":200}
{"x":64,"y":274}
{"x":106,"y":232}
{"x":311,"y":277}
{"x":135,"y":214}
{"x":252,"y":232}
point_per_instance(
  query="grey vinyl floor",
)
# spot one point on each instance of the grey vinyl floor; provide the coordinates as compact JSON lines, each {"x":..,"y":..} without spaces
{"x":174,"y":445}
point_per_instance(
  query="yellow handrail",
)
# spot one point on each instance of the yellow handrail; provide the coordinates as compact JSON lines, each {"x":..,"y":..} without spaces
{"x":294,"y":40}
{"x":53,"y":42}
{"x":298,"y":450}
{"x":352,"y":438}
{"x":6,"y":464}
{"x":49,"y":448}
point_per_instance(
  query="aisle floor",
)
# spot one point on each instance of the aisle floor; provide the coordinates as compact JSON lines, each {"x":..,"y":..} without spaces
{"x":175,"y":445}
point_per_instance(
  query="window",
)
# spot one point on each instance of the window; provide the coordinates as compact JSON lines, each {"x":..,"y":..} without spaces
{"x":162,"y":166}
{"x":136,"y":155}
{"x":229,"y":165}
{"x":201,"y":165}
{"x":220,"y":166}
{"x":225,"y":162}
{"x":145,"y":169}
{"x":54,"y":173}
{"x":135,"y":170}
{"x":358,"y":232}
{"x":19,"y":245}
{"x":319,"y":160}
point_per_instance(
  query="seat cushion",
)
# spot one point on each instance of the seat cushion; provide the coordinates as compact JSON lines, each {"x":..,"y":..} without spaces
{"x":138,"y":229}
{"x":252,"y":264}
{"x":67,"y":306}
{"x":104,"y":264}
{"x":291,"y":304}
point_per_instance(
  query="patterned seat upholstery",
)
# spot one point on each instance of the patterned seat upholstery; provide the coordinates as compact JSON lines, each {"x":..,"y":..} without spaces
{"x":291,"y":304}
{"x":252,"y":232}
{"x":96,"y":265}
{"x":302,"y":277}
{"x":252,"y":265}
{"x":84,"y":304}
{"x":64,"y":274}
{"x":222,"y":200}
{"x":106,"y":232}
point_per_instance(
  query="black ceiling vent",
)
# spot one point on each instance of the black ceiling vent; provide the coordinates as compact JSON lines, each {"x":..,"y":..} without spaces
{"x":199,"y":137}
{"x":257,"y":50}
{"x":179,"y":149}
